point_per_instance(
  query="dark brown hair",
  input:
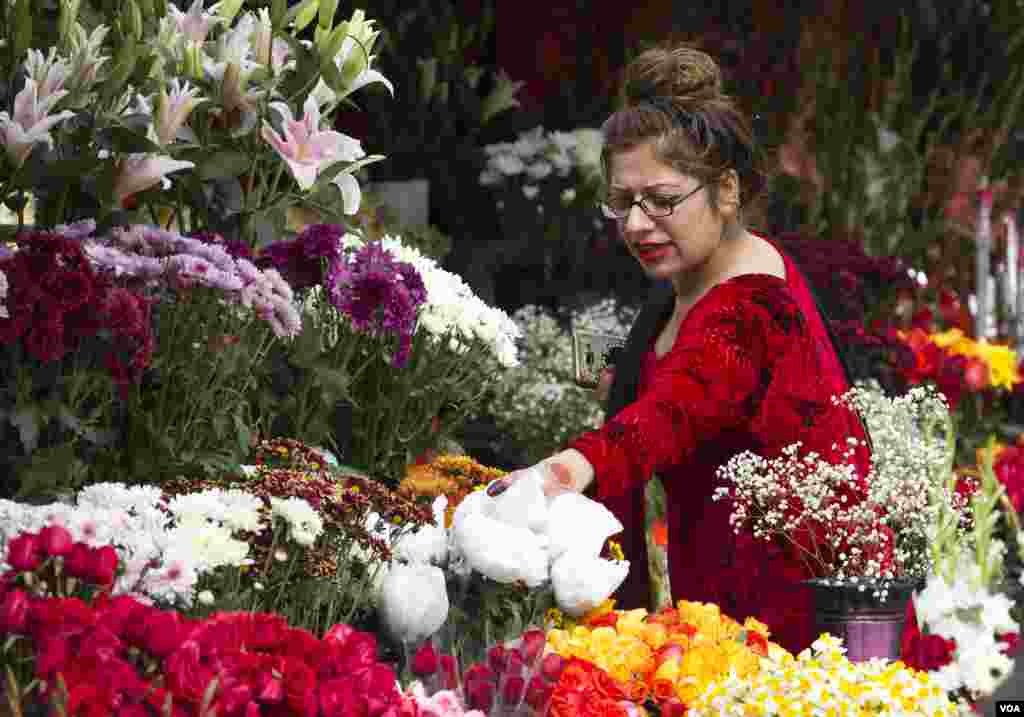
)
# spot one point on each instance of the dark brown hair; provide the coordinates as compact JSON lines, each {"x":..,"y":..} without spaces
{"x":674,"y":96}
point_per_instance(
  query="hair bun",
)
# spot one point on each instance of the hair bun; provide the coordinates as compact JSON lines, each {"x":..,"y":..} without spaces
{"x":683,"y":74}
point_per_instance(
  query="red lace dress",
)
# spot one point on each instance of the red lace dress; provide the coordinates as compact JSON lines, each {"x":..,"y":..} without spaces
{"x":752,"y":368}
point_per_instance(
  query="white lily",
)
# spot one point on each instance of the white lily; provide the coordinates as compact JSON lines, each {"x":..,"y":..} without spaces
{"x":139,"y":172}
{"x":306,"y":148}
{"x":31,"y":123}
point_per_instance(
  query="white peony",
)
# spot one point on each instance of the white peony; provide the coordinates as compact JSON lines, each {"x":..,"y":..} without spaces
{"x":583,"y":581}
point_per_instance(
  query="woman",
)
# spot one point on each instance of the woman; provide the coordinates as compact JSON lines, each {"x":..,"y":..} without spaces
{"x":730,"y":355}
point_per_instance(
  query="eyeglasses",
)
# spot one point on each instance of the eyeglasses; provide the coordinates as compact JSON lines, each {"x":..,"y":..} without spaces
{"x":653,"y":206}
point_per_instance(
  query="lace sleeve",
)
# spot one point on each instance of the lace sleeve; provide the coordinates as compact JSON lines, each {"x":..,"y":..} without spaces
{"x":710,"y":383}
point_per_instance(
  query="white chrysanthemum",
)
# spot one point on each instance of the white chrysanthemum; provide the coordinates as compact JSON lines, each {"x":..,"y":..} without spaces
{"x":304,"y":523}
{"x":206,"y":546}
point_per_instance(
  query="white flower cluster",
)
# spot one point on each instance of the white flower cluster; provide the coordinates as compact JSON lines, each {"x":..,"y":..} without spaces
{"x":452,"y":311}
{"x":537,"y":403}
{"x":973,"y":616}
{"x":3,"y":294}
{"x":537,"y":155}
{"x":165,"y":546}
{"x":895,"y":508}
{"x":821,"y":681}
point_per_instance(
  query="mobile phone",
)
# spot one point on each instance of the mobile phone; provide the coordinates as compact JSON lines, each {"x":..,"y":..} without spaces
{"x":592,"y":352}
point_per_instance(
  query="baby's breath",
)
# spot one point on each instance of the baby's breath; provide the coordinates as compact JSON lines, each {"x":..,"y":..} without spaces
{"x":876,"y":527}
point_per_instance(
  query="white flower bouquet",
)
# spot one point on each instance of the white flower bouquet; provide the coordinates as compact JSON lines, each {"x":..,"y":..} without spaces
{"x":877,"y":527}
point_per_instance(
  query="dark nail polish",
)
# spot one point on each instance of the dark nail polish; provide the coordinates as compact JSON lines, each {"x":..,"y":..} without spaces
{"x":496,"y":488}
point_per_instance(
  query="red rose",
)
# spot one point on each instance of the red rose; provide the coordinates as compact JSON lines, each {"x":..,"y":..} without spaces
{"x":23,"y":553}
{"x":925,"y":652}
{"x":55,"y":540}
{"x":14,"y":612}
{"x":608,"y":619}
{"x":515,"y":665}
{"x":117,"y":613}
{"x":1009,"y":469}
{"x":425,"y":661}
{"x":77,"y":561}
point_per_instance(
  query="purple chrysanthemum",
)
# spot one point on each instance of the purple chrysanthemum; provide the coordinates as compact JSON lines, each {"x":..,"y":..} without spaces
{"x":305,"y":260}
{"x":379,"y":294}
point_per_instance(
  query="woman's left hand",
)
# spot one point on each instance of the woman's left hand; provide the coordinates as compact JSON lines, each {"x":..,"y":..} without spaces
{"x":557,"y":479}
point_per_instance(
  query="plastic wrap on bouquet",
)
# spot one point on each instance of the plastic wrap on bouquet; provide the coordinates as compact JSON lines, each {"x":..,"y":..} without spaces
{"x":657,"y":545}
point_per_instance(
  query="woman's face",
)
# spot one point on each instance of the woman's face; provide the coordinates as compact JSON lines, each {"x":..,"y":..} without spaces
{"x":671,"y":246}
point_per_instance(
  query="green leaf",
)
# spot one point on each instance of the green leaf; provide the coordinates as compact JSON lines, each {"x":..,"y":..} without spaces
{"x":22,"y":38}
{"x":307,"y":346}
{"x":278,"y":14}
{"x":124,"y":65}
{"x":224,"y":164}
{"x":243,"y":433}
{"x":335,"y":381}
{"x":303,"y":14}
{"x":49,"y":472}
{"x":325,"y":177}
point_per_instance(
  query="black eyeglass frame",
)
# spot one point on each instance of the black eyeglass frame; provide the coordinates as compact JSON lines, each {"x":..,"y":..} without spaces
{"x":609,"y":212}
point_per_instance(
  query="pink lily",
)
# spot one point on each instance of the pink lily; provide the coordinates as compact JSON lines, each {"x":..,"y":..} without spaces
{"x":31,"y":123}
{"x":139,"y":172}
{"x":305,"y":147}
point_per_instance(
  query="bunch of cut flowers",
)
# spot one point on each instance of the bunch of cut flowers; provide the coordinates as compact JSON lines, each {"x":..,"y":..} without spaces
{"x":664,"y":660}
{"x":204,"y":118}
{"x":821,"y":680}
{"x":72,"y":646}
{"x":965,"y":634}
{"x":215,"y":317}
{"x":403,"y":349}
{"x":870,"y":529}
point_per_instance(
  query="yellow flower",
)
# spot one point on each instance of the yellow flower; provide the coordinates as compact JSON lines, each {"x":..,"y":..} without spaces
{"x":554,"y":617}
{"x":615,"y":550}
{"x":1002,"y":364}
{"x":754,"y":625}
{"x":946,"y":339}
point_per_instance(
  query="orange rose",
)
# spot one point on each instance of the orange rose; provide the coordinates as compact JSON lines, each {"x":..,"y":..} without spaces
{"x":663,"y":689}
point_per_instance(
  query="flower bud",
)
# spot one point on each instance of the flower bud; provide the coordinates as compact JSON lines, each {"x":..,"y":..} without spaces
{"x":205,"y":597}
{"x":76,"y":561}
{"x":55,"y":540}
{"x":449,"y":672}
{"x":425,"y":662}
{"x":497,"y":658}
{"x":538,"y":694}
{"x":13,"y":612}
{"x":532,"y":645}
{"x":512,"y":691}
{"x":23,"y":553}
{"x":551,"y":666}
{"x":480,"y":695}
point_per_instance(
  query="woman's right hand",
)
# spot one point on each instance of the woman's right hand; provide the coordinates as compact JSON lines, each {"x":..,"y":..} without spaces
{"x":557,"y":479}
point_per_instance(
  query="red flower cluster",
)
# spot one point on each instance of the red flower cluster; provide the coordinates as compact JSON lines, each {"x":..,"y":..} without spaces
{"x":119,"y":657}
{"x":510,"y":675}
{"x":57,"y":302}
{"x":585,"y":689}
{"x":949,"y":372}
